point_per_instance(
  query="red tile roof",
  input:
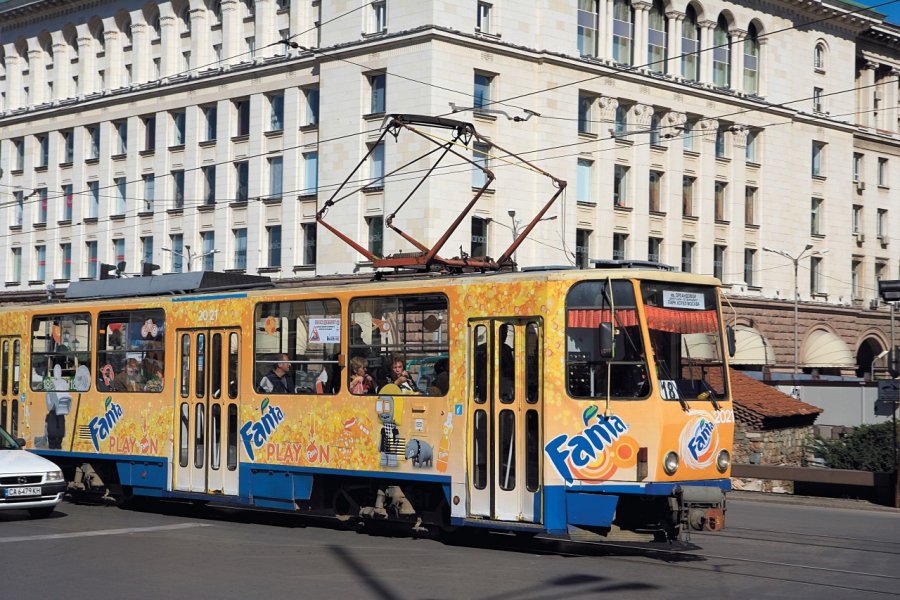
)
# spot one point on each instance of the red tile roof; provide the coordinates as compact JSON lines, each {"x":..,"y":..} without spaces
{"x":758,"y":402}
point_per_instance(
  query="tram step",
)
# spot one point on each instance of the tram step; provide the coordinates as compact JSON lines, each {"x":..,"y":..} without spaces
{"x":504,"y":525}
{"x":615,"y":535}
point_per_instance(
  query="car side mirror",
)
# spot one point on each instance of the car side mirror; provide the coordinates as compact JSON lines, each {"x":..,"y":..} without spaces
{"x":21,"y":442}
{"x":606,"y":340}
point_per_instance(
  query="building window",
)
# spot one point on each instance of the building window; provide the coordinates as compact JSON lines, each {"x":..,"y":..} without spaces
{"x":621,"y":121}
{"x":379,"y":16}
{"x":274,"y":253}
{"x":119,"y":250}
{"x":479,"y":245}
{"x":856,"y":222}
{"x":815,"y":275}
{"x":881,"y":224}
{"x":815,"y":213}
{"x":250,"y":46}
{"x":276,"y":112}
{"x":690,"y":46}
{"x":312,"y":106}
{"x":311,"y":173}
{"x":588,"y":18}
{"x":178,"y":189}
{"x":177,"y":252}
{"x":483,"y":17}
{"x":65,"y":271}
{"x":817,"y":100}
{"x":857,"y":166}
{"x":750,"y":149}
{"x":751,"y":61}
{"x":376,"y":167}
{"x":121,"y":129}
{"x":582,"y":248}
{"x":149,"y":126}
{"x":377,"y":93}
{"x":750,"y":205}
{"x":655,"y":126}
{"x":91,"y":266}
{"x":481,"y":157}
{"x":819,"y":57}
{"x":68,"y":144}
{"x":209,"y":184}
{"x":623,"y":31}
{"x":42,"y":208}
{"x":93,"y":136}
{"x":719,"y":200}
{"x":275,"y":177}
{"x":242,"y":112}
{"x":654,"y":249}
{"x":43,"y":145}
{"x":40,"y":263}
{"x":147,"y":250}
{"x":619,"y":242}
{"x":18,"y":208}
{"x":721,"y":54}
{"x":687,"y":256}
{"x":818,"y":159}
{"x":687,"y":134}
{"x":687,"y":196}
{"x":16,"y":267}
{"x":883,"y":172}
{"x":657,"y":34}
{"x":749,"y":266}
{"x":242,"y":181}
{"x":721,"y":144}
{"x":120,"y":185}
{"x":584,"y":191}
{"x":482,"y":93}
{"x":718,"y":262}
{"x":93,"y":199}
{"x":309,"y":243}
{"x":208,"y":239}
{"x":856,"y":283}
{"x":178,"y":128}
{"x":240,"y":249}
{"x":149,"y":191}
{"x":19,"y":154}
{"x":68,"y":201}
{"x":209,"y":121}
{"x":585,"y":105}
{"x":655,"y":191}
{"x":375,"y":226}
{"x":620,"y":186}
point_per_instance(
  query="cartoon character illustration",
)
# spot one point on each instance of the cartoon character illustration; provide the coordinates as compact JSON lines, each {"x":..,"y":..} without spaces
{"x":390,"y":443}
{"x":420,"y":452}
{"x":59,"y":401}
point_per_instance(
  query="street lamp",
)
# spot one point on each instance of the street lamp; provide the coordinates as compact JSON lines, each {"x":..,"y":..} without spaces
{"x":805,"y":253}
{"x":515,"y":226}
{"x":188,"y":257}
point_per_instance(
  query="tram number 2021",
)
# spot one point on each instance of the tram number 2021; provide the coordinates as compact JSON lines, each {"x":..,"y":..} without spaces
{"x":204,"y":316}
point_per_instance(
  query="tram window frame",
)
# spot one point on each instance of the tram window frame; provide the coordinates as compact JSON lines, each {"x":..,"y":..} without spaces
{"x":412,"y":317}
{"x":51,"y":338}
{"x":136,"y":335}
{"x":17,"y":361}
{"x":4,"y":367}
{"x":625,"y":373}
{"x":315,"y":367}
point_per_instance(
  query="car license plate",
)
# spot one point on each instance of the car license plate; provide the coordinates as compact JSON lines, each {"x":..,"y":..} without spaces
{"x":23,"y":491}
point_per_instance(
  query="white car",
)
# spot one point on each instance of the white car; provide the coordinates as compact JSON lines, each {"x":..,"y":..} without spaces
{"x":28,"y":481}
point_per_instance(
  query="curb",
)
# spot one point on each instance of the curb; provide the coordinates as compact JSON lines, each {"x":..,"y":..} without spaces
{"x":847,"y":503}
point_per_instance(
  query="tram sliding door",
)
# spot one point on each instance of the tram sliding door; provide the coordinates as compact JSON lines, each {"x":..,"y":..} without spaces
{"x":10,"y":350}
{"x":505,"y":407}
{"x":206,"y":452}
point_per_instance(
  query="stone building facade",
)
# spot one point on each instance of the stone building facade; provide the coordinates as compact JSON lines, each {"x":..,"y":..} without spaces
{"x":206,"y":134}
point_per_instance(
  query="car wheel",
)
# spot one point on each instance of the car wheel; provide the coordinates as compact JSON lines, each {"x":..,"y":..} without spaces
{"x":41,"y":512}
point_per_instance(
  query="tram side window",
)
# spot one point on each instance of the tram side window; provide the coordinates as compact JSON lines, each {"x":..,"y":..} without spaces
{"x":61,"y":357}
{"x":399,"y":344}
{"x":590,"y":307}
{"x":296,"y":347}
{"x":131,"y":351}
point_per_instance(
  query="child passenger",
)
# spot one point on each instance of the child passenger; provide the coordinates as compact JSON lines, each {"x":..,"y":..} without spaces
{"x":360,"y":381}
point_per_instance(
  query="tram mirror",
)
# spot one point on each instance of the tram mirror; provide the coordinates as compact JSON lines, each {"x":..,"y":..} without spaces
{"x":606,"y":340}
{"x":147,"y":269}
{"x":732,"y":344}
{"x":894,"y":363}
{"x":107,"y":271}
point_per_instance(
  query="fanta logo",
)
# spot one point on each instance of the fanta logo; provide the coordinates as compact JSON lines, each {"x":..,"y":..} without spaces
{"x":699,"y":441}
{"x":586,"y":452}
{"x":255,"y":433}
{"x":103,"y":425}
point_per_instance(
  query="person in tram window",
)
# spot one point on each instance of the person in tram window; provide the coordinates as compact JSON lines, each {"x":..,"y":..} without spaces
{"x":129,"y":379}
{"x":441,"y":382}
{"x":399,"y":375}
{"x":360,"y":381}
{"x":276,"y":381}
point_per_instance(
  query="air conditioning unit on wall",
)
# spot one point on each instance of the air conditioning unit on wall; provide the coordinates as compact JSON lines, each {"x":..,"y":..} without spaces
{"x":874,"y":303}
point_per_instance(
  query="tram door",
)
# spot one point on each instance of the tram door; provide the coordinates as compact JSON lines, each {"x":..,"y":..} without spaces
{"x":10,"y":350}
{"x":206,"y":435}
{"x":505,"y":406}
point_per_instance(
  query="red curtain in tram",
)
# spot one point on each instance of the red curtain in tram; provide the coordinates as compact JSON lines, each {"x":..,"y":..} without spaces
{"x":681,"y":321}
{"x":592,"y":317}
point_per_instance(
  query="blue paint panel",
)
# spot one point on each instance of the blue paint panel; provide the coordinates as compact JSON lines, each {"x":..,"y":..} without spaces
{"x":276,"y":504}
{"x":213,"y":297}
{"x":302,"y":486}
{"x":555,"y":508}
{"x":596,"y":510}
{"x":650,"y":489}
{"x":142,"y":474}
{"x":271,"y":484}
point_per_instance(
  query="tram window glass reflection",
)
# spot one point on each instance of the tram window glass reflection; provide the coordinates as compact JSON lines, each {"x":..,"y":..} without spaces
{"x":131,"y":351}
{"x":60,"y":357}
{"x":590,"y":306}
{"x":17,"y":346}
{"x":532,"y":363}
{"x":4,"y":368}
{"x":412,"y":330}
{"x":480,"y":364}
{"x":296,"y":347}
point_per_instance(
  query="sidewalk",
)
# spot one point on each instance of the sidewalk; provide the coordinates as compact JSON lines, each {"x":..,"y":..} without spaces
{"x":810,"y":501}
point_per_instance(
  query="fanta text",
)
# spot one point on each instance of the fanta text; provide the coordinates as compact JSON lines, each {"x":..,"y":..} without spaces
{"x":103,"y":425}
{"x":700,"y":440}
{"x":255,"y":433}
{"x":583,"y":448}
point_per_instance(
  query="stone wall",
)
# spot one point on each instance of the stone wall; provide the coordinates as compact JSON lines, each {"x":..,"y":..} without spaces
{"x":773,"y":447}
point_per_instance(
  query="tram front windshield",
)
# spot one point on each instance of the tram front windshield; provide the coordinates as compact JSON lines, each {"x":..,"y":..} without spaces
{"x":684,"y":328}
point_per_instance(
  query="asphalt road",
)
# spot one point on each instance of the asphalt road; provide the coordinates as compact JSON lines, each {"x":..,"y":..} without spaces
{"x":792,"y":550}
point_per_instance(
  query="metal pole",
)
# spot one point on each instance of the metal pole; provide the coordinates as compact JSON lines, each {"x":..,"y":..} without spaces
{"x":796,"y":315}
{"x":891,"y":357}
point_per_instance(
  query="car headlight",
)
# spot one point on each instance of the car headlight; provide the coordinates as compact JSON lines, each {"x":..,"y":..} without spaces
{"x":53,"y":476}
{"x":670,"y":463}
{"x":723,"y":460}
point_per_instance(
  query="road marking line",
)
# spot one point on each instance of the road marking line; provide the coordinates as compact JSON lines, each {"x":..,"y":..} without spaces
{"x":62,"y":536}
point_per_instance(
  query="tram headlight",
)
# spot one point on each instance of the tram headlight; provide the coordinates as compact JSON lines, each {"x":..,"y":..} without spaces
{"x":670,"y":463}
{"x":723,"y":460}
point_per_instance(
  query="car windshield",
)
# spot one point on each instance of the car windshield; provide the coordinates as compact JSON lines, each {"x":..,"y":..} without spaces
{"x":6,"y":441}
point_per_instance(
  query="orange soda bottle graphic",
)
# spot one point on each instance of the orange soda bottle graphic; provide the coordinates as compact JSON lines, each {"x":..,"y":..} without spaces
{"x":443,"y":455}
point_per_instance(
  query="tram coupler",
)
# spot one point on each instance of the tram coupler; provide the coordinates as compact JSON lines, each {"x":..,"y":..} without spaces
{"x":701,"y":508}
